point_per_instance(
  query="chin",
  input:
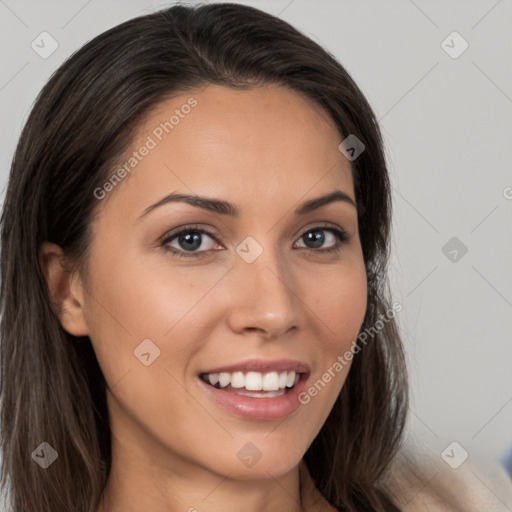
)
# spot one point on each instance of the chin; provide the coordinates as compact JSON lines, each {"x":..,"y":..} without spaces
{"x":250,"y":464}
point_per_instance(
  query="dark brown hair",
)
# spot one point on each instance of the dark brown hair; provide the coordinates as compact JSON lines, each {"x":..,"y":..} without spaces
{"x":52,"y":389}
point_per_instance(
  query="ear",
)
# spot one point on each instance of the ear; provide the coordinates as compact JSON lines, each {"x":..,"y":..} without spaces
{"x":66,"y":291}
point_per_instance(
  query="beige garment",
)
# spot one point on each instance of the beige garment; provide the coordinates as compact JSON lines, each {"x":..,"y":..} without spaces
{"x":430,"y":485}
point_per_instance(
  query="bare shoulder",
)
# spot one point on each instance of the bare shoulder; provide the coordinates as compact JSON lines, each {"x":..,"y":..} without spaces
{"x":423,"y":483}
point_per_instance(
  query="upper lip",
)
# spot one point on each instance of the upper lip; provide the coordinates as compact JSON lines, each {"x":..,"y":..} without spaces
{"x":263,"y":366}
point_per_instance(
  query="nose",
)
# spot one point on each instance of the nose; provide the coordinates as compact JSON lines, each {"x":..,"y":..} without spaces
{"x":264,"y":297}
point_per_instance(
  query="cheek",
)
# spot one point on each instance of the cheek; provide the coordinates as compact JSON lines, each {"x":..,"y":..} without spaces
{"x":341,"y":303}
{"x":338,"y":310}
{"x":137,"y":314}
{"x":141,"y":298}
{"x":146,"y":298}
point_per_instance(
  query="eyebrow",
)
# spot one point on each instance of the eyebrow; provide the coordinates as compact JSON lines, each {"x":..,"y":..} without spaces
{"x":225,"y":208}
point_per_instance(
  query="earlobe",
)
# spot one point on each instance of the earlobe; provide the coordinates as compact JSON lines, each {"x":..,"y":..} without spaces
{"x":65,"y":290}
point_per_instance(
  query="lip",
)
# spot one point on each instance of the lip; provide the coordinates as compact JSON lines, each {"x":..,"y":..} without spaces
{"x":263,"y":366}
{"x":257,"y":408}
{"x":252,"y":408}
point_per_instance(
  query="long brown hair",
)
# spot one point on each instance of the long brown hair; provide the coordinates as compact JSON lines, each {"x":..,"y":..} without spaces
{"x":52,"y":388}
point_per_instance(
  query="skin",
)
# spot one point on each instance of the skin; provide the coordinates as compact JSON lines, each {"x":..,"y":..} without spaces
{"x":266,"y":150}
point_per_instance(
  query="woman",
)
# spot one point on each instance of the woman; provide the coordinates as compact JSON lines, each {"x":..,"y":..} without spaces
{"x":195,"y":312}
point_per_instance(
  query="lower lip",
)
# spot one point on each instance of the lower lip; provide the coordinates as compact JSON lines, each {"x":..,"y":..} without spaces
{"x":258,"y":408}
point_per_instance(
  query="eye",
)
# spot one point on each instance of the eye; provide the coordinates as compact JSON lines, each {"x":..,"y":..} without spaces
{"x":315,"y":238}
{"x":189,"y":241}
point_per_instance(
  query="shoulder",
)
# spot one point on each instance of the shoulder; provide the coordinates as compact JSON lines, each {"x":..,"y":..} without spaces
{"x":421,"y":482}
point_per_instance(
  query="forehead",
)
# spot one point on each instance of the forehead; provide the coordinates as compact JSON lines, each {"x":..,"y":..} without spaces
{"x":261,"y":142}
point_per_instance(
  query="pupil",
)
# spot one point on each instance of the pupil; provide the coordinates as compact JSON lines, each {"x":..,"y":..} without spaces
{"x":194,"y":238}
{"x":316,"y":237}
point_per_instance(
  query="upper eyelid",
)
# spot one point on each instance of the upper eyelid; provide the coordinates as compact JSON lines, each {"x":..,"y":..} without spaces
{"x":188,"y":228}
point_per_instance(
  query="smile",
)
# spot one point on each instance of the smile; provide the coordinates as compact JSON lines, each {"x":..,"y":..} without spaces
{"x":253,"y":384}
{"x":256,"y":389}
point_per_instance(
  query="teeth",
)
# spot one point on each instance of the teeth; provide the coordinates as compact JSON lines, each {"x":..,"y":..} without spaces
{"x":254,"y":381}
{"x":224,"y":379}
{"x":260,"y":394}
{"x":270,"y":381}
{"x":237,"y":380}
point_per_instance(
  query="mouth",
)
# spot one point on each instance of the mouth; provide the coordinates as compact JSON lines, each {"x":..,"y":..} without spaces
{"x":257,"y":390}
{"x":253,"y":384}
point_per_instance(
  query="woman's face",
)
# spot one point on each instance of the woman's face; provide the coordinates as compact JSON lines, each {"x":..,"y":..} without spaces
{"x":240,"y":297}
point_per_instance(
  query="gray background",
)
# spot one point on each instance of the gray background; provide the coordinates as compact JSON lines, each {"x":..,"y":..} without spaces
{"x":447,"y":124}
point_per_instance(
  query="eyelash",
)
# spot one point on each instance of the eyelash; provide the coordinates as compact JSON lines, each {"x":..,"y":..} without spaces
{"x":341,"y":235}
